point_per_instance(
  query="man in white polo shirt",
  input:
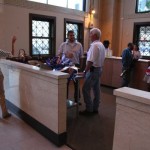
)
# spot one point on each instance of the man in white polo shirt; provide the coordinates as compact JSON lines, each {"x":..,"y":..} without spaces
{"x":93,"y":70}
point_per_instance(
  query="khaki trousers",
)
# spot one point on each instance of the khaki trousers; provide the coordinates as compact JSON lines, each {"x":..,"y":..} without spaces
{"x":2,"y":95}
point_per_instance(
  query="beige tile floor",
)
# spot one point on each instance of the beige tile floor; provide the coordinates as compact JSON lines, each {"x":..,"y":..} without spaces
{"x":15,"y":134}
{"x":94,"y":133}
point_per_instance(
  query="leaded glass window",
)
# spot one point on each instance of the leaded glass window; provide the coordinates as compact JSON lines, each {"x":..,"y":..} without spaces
{"x":144,"y":40}
{"x":77,"y":27}
{"x":42,"y":35}
{"x":74,"y":27}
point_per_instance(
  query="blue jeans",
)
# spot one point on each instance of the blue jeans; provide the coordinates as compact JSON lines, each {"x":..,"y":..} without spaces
{"x":92,"y":81}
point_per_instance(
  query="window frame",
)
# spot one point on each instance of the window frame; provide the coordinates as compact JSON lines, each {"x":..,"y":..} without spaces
{"x":137,"y":26}
{"x":52,"y":38}
{"x":80,"y":37}
{"x":136,"y":8}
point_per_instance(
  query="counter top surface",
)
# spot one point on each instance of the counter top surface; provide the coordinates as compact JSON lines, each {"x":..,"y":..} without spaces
{"x":133,"y":94}
{"x":119,"y":58}
{"x":35,"y":69}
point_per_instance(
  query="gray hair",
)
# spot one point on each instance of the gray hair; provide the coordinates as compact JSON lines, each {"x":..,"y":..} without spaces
{"x":96,"y":31}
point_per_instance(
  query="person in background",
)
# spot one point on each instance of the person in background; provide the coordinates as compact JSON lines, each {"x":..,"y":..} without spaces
{"x":92,"y":72}
{"x":127,"y":64}
{"x":4,"y":54}
{"x":136,"y":55}
{"x":147,"y":78}
{"x":136,"y":52}
{"x":70,"y":53}
{"x":108,"y":51}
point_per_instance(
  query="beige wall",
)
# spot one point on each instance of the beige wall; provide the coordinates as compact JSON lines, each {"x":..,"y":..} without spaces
{"x":117,"y":22}
{"x":14,"y":20}
{"x":115,"y":18}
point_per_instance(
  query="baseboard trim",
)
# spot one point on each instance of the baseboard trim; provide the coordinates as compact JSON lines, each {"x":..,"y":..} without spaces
{"x":57,"y":139}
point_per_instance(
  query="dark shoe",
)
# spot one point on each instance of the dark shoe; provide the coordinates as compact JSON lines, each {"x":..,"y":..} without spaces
{"x":85,"y":113}
{"x":79,"y":103}
{"x":95,"y":111}
{"x":6,"y":115}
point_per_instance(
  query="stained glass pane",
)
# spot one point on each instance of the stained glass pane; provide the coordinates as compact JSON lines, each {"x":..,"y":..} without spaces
{"x":40,"y":46}
{"x":74,"y":27}
{"x":144,"y":40}
{"x":40,"y":28}
{"x":40,"y":40}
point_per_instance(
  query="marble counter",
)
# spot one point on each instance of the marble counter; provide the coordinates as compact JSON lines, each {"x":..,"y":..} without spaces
{"x":132,"y":122}
{"x":113,"y":68}
{"x":38,"y":96}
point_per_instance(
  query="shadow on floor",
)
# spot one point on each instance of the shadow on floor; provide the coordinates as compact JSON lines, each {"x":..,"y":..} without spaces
{"x":93,"y":132}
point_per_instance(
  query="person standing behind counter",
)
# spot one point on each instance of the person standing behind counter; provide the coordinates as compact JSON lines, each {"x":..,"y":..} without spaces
{"x":92,"y":72}
{"x":136,"y":55}
{"x":136,"y":52}
{"x":127,"y":64}
{"x":70,"y":53}
{"x":108,"y":51}
{"x":4,"y":54}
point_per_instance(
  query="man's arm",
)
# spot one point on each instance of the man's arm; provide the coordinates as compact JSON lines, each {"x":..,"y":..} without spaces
{"x":88,"y":66}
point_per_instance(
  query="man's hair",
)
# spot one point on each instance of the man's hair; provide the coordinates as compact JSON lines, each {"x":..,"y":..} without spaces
{"x":70,"y":31}
{"x":96,"y":31}
{"x":130,"y":44}
{"x":137,"y":46}
{"x":106,"y":43}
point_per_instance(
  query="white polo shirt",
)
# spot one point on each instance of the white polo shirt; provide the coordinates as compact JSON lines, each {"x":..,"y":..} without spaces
{"x":96,"y":54}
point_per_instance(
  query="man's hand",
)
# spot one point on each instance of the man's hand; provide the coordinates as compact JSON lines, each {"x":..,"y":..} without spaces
{"x":69,"y":55}
{"x":58,"y":60}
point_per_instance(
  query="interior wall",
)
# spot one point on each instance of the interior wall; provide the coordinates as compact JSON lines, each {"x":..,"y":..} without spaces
{"x":116,"y":27}
{"x":117,"y":18}
{"x":106,"y":20}
{"x":14,"y":20}
{"x":128,"y":18}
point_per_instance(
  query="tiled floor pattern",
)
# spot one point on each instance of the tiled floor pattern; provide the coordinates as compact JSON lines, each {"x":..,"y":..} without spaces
{"x":17,"y":135}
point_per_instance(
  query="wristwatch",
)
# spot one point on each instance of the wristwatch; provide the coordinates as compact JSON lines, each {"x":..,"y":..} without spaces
{"x":84,"y":71}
